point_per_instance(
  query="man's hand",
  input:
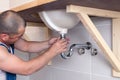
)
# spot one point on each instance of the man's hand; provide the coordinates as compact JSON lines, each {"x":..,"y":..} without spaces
{"x":52,"y":41}
{"x":59,"y":46}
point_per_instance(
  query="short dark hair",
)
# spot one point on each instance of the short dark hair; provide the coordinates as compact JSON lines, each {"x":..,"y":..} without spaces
{"x":10,"y":22}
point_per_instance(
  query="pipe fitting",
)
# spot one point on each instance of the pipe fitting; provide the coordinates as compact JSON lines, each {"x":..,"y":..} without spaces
{"x":81,"y":50}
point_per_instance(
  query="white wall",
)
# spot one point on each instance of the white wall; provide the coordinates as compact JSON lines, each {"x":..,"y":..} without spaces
{"x":4,"y":5}
{"x":7,"y":4}
{"x":81,"y":67}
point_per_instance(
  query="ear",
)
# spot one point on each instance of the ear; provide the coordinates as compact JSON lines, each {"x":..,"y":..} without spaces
{"x":4,"y":37}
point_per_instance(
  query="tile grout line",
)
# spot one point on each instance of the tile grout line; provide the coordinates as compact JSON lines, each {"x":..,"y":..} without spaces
{"x":69,"y":70}
{"x":90,"y":64}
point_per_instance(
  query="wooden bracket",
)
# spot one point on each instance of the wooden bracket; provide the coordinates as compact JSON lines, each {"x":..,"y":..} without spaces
{"x":116,"y":41}
{"x":83,"y":13}
{"x":93,"y":11}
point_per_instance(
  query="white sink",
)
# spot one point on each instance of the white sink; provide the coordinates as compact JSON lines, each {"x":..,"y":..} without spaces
{"x":59,"y":20}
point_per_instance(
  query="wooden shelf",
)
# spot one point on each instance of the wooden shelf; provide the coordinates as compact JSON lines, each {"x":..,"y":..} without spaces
{"x":27,"y":9}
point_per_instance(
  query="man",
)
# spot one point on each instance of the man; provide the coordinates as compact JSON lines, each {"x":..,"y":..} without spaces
{"x":12,"y":27}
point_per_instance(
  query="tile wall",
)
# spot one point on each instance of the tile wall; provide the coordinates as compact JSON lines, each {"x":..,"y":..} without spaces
{"x":81,"y":67}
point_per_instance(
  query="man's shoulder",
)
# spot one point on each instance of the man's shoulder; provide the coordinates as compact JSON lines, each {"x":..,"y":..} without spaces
{"x":2,"y":48}
{"x":3,"y":53}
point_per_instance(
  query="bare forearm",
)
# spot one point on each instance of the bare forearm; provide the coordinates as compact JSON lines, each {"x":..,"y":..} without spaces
{"x":38,"y":62}
{"x":19,"y":66}
{"x":34,"y":46}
